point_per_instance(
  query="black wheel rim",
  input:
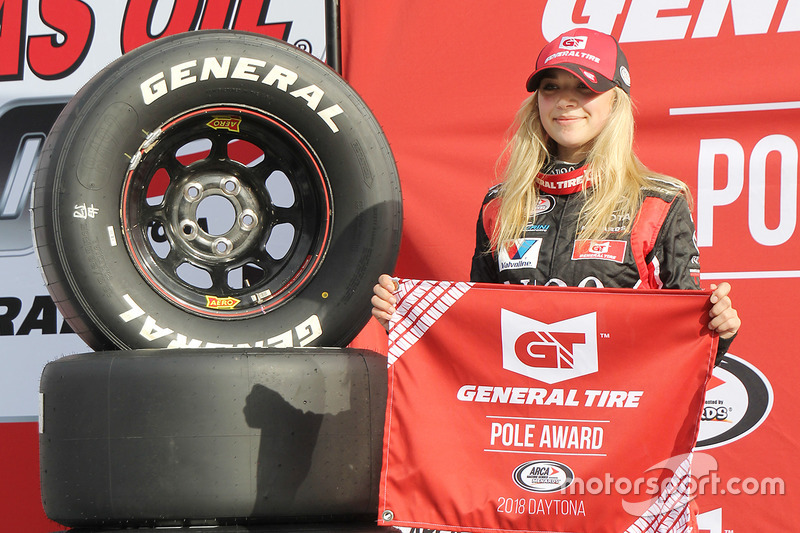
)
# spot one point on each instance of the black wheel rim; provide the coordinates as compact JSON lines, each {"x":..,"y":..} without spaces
{"x":226,"y":212}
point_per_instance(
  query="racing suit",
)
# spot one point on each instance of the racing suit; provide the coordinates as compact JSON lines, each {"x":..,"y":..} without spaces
{"x":659,"y":251}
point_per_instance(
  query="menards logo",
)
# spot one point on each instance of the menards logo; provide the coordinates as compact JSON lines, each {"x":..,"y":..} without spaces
{"x":225,"y":123}
{"x":213,"y":302}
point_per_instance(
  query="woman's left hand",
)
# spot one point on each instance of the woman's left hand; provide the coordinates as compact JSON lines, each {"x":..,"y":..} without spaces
{"x":724,"y":318}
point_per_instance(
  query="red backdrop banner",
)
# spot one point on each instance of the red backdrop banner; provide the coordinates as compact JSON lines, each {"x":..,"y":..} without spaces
{"x":543,"y":409}
{"x":716,"y":106}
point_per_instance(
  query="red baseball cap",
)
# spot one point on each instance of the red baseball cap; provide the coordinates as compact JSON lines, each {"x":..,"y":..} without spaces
{"x":593,"y":56}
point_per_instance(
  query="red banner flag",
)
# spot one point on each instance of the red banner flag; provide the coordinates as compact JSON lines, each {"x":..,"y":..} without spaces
{"x":543,"y":409}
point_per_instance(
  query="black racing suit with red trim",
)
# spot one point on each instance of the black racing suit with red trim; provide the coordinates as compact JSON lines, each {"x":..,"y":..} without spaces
{"x":548,"y":253}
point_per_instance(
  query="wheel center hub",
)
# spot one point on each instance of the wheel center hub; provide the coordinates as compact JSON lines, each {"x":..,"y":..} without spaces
{"x":214,"y":217}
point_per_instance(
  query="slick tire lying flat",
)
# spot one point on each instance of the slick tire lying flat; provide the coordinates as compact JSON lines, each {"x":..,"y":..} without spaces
{"x":216,"y":188}
{"x":171,"y":437}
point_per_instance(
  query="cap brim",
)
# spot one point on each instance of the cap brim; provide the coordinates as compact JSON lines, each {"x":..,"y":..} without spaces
{"x":599,"y":84}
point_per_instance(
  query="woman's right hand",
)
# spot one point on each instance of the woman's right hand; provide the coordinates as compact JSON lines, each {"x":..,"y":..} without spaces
{"x":383,"y":301}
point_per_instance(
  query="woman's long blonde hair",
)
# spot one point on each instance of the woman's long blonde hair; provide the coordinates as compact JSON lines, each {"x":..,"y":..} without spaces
{"x":617,"y":176}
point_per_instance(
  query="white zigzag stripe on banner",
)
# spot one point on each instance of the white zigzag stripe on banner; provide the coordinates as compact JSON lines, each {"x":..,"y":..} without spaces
{"x":421,"y":304}
{"x":670,"y":512}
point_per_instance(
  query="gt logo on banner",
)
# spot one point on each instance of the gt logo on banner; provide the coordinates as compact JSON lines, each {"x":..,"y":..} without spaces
{"x":549,"y":352}
{"x":518,"y":408}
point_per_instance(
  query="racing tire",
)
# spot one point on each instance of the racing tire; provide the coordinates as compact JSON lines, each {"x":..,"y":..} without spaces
{"x":182,"y":437}
{"x":216,"y":188}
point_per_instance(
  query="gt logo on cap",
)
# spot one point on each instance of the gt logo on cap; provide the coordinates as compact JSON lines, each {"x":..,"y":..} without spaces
{"x":573,"y":43}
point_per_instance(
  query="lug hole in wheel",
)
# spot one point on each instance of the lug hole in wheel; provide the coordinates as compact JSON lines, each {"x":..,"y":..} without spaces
{"x":231,"y":186}
{"x":189,"y":229}
{"x":248,"y":220}
{"x":222,"y":247}
{"x":192,"y":192}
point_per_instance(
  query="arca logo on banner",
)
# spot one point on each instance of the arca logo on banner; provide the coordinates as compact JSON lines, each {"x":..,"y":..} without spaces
{"x":549,"y":352}
{"x":543,"y":476}
{"x":667,"y":20}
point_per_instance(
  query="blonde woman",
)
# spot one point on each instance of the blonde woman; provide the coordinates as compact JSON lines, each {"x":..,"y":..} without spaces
{"x":575,"y":206}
